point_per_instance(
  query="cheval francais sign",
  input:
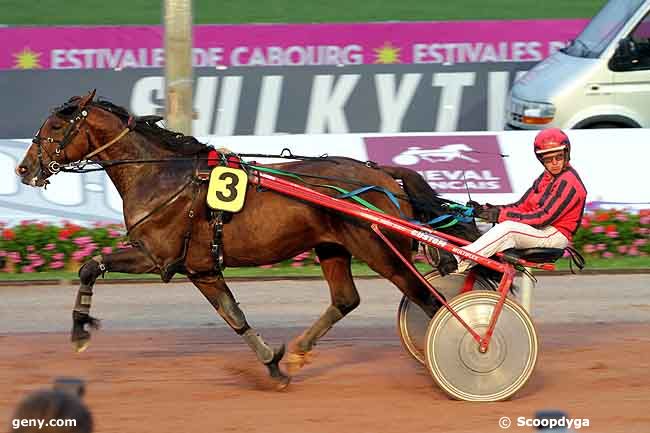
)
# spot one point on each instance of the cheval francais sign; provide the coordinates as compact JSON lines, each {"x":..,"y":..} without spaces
{"x":449,"y":163}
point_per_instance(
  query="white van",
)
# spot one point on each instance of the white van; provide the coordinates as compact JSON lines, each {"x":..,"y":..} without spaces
{"x":600,"y":80}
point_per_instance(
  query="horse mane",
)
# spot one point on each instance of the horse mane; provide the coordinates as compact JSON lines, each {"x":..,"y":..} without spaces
{"x":145,"y":125}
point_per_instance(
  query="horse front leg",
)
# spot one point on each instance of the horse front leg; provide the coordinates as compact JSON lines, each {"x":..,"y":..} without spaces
{"x":130,"y":260}
{"x":216,"y":291}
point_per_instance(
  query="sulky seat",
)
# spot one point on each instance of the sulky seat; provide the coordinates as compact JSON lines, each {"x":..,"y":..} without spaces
{"x":535,"y":255}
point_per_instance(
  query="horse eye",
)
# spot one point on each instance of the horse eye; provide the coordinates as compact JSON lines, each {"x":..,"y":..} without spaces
{"x":56,"y":127}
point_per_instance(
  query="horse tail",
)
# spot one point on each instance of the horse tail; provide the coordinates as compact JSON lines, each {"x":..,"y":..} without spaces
{"x":423,"y":198}
{"x":426,"y":204}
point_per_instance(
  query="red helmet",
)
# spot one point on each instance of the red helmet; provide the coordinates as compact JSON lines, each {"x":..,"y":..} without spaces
{"x":551,"y":140}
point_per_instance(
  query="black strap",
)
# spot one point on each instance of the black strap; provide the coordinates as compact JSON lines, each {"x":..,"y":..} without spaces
{"x":217,"y":241}
{"x":575,"y":259}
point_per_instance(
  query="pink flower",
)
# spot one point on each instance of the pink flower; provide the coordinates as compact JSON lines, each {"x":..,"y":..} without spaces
{"x":633,"y":252}
{"x":597,"y":229}
{"x":27,"y":269}
{"x":57,"y":264}
{"x":640,"y":242}
{"x":301,"y":256}
{"x":612,"y":235}
{"x":83,"y":240}
{"x":296,"y":264}
{"x":607,"y":255}
{"x":644,"y":220}
{"x":114,"y":233}
{"x":622,"y":249}
{"x":79,"y":255}
{"x":107,"y":250}
{"x":265,"y":266}
{"x":589,"y":248}
{"x":621,"y":217}
{"x":31,"y":248}
{"x":58,"y":256}
{"x":49,"y":247}
{"x":601,"y":247}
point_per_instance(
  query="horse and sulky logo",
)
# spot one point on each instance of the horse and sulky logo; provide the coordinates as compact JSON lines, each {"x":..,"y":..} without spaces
{"x":451,"y":164}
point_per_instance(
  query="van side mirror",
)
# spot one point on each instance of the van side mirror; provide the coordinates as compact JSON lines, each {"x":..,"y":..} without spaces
{"x":623,"y":51}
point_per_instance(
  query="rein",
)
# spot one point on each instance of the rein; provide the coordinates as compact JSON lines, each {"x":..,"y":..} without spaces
{"x":458,"y":212}
{"x":79,"y":166}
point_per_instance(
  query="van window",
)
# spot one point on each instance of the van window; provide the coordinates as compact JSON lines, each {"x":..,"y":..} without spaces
{"x":633,"y":53}
{"x":603,"y":28}
{"x":641,"y":33}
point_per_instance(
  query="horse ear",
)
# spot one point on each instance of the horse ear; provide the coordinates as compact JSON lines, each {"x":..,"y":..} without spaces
{"x":87,"y":99}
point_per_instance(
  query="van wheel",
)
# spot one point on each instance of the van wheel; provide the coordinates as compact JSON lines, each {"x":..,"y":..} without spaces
{"x":605,"y":125}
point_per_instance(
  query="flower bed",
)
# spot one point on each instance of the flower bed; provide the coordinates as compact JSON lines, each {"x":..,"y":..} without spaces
{"x":607,"y":233}
{"x":34,"y":246}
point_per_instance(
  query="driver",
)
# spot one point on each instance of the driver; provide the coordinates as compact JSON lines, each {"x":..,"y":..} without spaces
{"x":546,"y":216}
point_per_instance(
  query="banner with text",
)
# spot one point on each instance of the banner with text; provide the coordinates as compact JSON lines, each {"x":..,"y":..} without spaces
{"x":265,"y":101}
{"x":446,"y":42}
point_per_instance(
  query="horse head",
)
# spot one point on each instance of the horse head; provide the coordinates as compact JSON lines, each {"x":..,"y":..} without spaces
{"x":83,"y":129}
{"x":69,"y":134}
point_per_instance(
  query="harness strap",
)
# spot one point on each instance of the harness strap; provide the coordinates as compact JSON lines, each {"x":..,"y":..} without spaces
{"x":216,"y":248}
{"x":466,"y":214}
{"x":160,"y":206}
{"x":113,"y":141}
{"x":336,"y":188}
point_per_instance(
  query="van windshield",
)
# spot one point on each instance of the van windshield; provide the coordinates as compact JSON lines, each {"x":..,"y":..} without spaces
{"x":603,"y":28}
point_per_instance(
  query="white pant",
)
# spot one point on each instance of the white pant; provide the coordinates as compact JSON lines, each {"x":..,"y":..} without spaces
{"x":511,"y":234}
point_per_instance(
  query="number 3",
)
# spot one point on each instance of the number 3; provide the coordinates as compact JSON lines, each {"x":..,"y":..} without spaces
{"x":227,"y":189}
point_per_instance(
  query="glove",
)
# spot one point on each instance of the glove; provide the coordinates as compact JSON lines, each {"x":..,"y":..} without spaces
{"x":474,"y":205}
{"x":488,"y":213}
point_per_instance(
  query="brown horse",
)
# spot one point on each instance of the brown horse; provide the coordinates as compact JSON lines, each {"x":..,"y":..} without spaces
{"x":165,"y":212}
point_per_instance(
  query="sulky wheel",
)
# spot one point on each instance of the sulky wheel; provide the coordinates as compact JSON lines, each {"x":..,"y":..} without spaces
{"x":412,"y":322}
{"x":454,"y":359}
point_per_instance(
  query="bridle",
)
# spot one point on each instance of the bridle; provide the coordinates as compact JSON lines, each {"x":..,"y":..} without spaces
{"x":73,"y":128}
{"x":70,"y":133}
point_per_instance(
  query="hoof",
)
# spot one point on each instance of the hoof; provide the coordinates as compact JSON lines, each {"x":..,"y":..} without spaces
{"x":297,"y":360}
{"x":80,"y":338}
{"x":281,"y":380}
{"x":81,"y":344}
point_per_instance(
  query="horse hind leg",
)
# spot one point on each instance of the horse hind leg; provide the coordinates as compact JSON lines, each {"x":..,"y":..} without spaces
{"x":128,"y":260}
{"x":335,"y":263}
{"x":388,"y":265}
{"x":221,"y":298}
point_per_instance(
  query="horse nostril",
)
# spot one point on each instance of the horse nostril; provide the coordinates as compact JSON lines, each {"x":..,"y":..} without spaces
{"x":21,"y":170}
